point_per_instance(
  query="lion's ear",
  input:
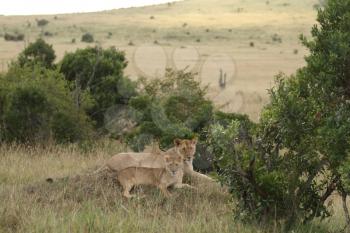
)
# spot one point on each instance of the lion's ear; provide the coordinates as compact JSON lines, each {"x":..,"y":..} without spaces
{"x":194,"y":140}
{"x":167,"y":158}
{"x":177,"y":142}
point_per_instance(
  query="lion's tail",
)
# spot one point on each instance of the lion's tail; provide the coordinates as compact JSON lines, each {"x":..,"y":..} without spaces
{"x":99,"y":170}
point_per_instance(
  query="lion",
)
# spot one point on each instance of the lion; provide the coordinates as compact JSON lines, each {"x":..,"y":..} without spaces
{"x":187,"y":148}
{"x":170,"y":175}
{"x":184,"y":147}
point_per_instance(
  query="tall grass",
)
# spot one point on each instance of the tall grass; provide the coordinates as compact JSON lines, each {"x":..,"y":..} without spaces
{"x":53,"y":189}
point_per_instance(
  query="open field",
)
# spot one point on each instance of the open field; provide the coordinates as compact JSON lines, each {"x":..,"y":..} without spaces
{"x":249,"y":40}
{"x":76,"y":201}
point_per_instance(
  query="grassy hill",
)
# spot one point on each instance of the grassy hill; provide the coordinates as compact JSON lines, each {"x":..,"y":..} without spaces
{"x":54,"y":190}
{"x":250,"y":40}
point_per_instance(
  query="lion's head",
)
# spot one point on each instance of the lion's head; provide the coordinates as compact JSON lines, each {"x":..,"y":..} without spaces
{"x":187,"y":148}
{"x":173,"y":164}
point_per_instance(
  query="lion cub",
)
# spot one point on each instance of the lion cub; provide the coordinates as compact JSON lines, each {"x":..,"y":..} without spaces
{"x":160,"y":177}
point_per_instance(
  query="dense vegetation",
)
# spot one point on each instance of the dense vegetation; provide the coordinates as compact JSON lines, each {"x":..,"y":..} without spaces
{"x":98,"y":74}
{"x":299,"y":152}
{"x":172,"y":107}
{"x":44,"y":102}
{"x":36,"y":107}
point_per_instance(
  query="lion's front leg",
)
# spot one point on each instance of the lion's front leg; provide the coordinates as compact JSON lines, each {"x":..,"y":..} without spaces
{"x":165,"y":190}
{"x":200,"y":176}
{"x":180,"y":186}
{"x":188,"y":169}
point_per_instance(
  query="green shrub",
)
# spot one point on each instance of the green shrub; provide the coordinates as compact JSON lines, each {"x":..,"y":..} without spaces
{"x":48,"y":34}
{"x":2,"y":109}
{"x":171,"y":107}
{"x":42,"y":22}
{"x":98,"y":73}
{"x":38,"y":52}
{"x":14,"y":37}
{"x":37,"y":107}
{"x":27,"y":115}
{"x":300,"y":149}
{"x":205,"y":159}
{"x":309,"y":113}
{"x":88,"y":38}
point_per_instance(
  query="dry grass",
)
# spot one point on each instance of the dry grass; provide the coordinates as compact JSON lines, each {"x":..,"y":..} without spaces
{"x":53,"y":190}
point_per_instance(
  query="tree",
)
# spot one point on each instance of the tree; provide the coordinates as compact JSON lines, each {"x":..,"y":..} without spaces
{"x":167,"y":108}
{"x":100,"y":73}
{"x":38,"y":52}
{"x":300,"y":152}
{"x":37,"y":107}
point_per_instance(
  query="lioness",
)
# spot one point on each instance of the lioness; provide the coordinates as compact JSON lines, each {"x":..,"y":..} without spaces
{"x":185,"y":148}
{"x":161,"y":177}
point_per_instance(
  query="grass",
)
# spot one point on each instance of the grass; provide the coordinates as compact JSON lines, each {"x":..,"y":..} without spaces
{"x":53,"y":190}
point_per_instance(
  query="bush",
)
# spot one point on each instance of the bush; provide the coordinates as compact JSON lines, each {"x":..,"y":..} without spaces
{"x":48,"y":34}
{"x":14,"y":37}
{"x":205,"y":159}
{"x":42,"y":22}
{"x":168,"y":108}
{"x":37,"y":107}
{"x":87,"y":37}
{"x":300,"y":149}
{"x":276,"y":38}
{"x":38,"y":52}
{"x":98,"y":73}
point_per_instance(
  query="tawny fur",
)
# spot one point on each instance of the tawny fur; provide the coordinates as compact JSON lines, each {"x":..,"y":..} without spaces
{"x":162,"y":178}
{"x":185,"y":148}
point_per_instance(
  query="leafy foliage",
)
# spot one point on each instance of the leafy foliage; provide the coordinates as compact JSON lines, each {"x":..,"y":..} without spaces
{"x":88,"y":38}
{"x":300,"y":149}
{"x":99,"y":73}
{"x":37,"y":107}
{"x":38,"y":52}
{"x":14,"y":37}
{"x":42,"y":22}
{"x":171,"y":107}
